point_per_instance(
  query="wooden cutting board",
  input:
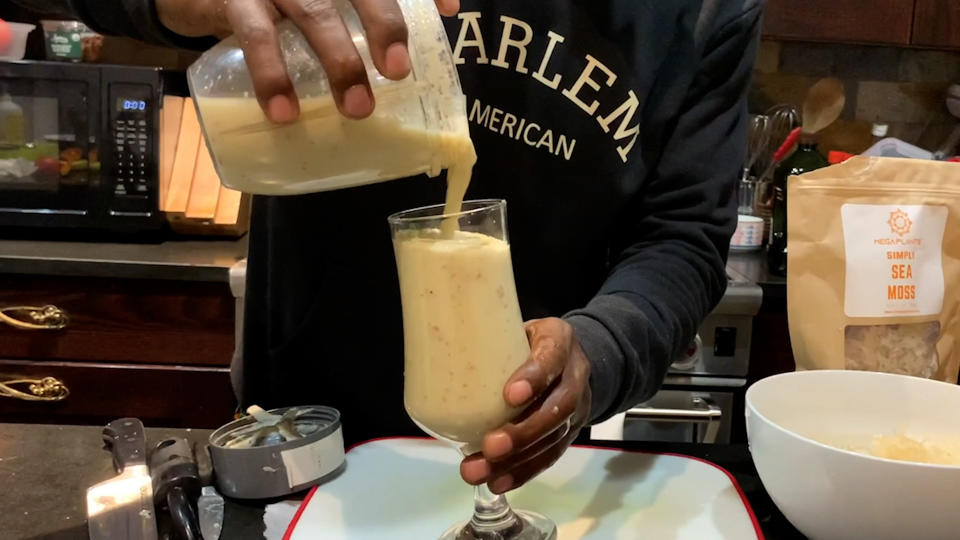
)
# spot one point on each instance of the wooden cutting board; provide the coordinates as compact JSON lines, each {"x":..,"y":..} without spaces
{"x":402,"y":489}
{"x":205,"y":189}
{"x":191,"y":193}
{"x":184,"y":160}
{"x":170,"y":117}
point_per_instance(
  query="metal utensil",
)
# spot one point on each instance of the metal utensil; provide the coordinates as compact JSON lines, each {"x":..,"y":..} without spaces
{"x":268,"y":429}
{"x":949,"y":146}
{"x":122,"y":507}
{"x":824,"y":103}
{"x":784,"y":118}
{"x":201,"y":454}
{"x":757,"y":140}
{"x":822,"y":107}
{"x":253,"y":461}
{"x":182,"y":515}
{"x":176,"y":483}
{"x":210,"y":511}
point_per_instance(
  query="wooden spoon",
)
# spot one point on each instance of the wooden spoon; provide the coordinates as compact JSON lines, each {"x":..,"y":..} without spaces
{"x":824,"y":103}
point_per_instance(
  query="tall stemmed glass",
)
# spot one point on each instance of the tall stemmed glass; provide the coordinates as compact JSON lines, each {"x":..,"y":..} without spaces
{"x":463,"y":338}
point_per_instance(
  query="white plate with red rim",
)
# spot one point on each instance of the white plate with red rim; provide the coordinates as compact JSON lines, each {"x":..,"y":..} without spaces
{"x":407,"y":488}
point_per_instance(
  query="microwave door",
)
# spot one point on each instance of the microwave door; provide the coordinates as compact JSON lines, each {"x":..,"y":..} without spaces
{"x":49,"y":155}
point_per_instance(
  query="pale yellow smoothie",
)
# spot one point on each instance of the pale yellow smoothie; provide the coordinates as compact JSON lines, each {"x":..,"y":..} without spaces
{"x":323,"y":150}
{"x":463,"y":332}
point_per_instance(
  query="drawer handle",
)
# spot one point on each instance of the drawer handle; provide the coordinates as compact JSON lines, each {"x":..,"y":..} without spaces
{"x":34,"y":318}
{"x":45,"y":389}
{"x":703,"y":413}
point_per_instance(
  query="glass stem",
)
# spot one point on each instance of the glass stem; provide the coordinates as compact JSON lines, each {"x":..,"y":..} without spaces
{"x":491,"y":512}
{"x":493,"y":519}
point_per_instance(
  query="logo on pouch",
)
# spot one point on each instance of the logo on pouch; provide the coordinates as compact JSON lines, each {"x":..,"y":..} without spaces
{"x":899,"y":222}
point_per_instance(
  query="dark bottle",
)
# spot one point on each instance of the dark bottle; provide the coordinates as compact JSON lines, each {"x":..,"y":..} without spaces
{"x":805,"y":159}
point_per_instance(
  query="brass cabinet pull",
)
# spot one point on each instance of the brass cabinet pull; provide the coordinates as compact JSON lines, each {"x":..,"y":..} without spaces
{"x":34,"y":318}
{"x":45,"y":389}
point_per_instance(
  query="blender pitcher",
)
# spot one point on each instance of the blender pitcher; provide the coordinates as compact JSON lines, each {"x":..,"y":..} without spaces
{"x":419,"y":124}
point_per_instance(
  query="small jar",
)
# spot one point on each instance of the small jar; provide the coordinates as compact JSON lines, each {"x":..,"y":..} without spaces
{"x":419,"y":124}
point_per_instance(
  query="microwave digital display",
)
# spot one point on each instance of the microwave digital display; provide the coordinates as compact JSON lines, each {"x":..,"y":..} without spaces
{"x":131,"y":104}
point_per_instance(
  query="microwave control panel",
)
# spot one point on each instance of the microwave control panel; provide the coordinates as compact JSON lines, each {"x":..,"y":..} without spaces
{"x":132,"y":127}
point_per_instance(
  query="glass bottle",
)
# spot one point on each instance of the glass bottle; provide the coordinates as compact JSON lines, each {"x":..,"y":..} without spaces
{"x":806,"y":158}
{"x":11,"y":121}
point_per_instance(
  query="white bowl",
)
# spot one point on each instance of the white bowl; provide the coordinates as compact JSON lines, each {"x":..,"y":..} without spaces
{"x":829,"y":493}
{"x":18,"y":41}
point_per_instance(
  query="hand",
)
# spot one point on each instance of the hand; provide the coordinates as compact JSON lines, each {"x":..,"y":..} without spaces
{"x":253,"y":21}
{"x":554,"y":383}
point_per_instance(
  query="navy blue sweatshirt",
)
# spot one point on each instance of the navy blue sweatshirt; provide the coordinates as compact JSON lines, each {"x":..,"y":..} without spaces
{"x":614,"y":129}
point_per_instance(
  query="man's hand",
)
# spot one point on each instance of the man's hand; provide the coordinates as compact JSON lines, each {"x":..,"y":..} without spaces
{"x":253,"y":21}
{"x":554,"y":383}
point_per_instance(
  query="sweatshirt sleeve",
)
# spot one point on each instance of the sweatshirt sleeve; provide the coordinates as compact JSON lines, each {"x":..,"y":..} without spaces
{"x":132,"y":18}
{"x":671,"y":273}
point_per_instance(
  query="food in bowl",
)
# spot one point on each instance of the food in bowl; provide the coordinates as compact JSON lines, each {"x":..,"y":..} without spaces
{"x":904,"y":447}
{"x":842,"y":489}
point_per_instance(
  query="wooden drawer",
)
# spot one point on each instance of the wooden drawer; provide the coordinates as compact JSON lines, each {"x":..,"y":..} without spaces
{"x":159,"y":395}
{"x":123,"y":321}
{"x":856,"y":21}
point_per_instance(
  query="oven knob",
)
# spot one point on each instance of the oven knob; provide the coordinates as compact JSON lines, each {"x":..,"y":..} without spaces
{"x":725,"y":341}
{"x":691,"y":356}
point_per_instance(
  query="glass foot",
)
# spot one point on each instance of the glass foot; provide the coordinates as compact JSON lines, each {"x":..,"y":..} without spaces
{"x":523,"y":525}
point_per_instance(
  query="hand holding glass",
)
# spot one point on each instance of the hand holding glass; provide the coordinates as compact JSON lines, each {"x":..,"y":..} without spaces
{"x":463,"y":338}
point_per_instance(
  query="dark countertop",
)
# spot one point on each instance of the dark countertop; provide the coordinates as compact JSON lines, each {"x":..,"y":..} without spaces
{"x":51,"y":468}
{"x":45,"y":470}
{"x":194,"y":260}
{"x":210,"y":260}
{"x":753,"y":266}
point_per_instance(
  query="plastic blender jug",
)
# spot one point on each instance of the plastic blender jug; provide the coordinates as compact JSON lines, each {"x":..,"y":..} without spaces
{"x":419,"y":124}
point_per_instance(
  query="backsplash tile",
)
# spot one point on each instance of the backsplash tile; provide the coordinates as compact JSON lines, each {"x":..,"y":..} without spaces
{"x":904,"y":88}
{"x":811,"y":59}
{"x":868,"y":63}
{"x":930,"y":66}
{"x":769,"y":89}
{"x":900,"y":103}
{"x":768,"y":57}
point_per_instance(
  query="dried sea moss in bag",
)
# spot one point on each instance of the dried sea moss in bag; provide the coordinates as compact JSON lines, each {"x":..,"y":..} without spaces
{"x":873,"y":275}
{"x":908,"y":349}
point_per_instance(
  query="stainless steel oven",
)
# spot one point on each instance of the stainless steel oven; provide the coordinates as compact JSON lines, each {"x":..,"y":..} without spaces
{"x":702,"y":395}
{"x":78,"y":147}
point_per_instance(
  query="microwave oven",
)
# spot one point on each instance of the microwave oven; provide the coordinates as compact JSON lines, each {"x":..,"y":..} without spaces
{"x":79,"y":148}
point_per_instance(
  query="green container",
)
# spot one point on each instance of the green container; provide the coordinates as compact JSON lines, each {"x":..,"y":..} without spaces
{"x":64,"y":40}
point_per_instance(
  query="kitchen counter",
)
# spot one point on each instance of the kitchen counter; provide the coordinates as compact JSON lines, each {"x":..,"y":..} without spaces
{"x":194,"y":260}
{"x":45,"y":471}
{"x":210,"y":260}
{"x":753,"y":266}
